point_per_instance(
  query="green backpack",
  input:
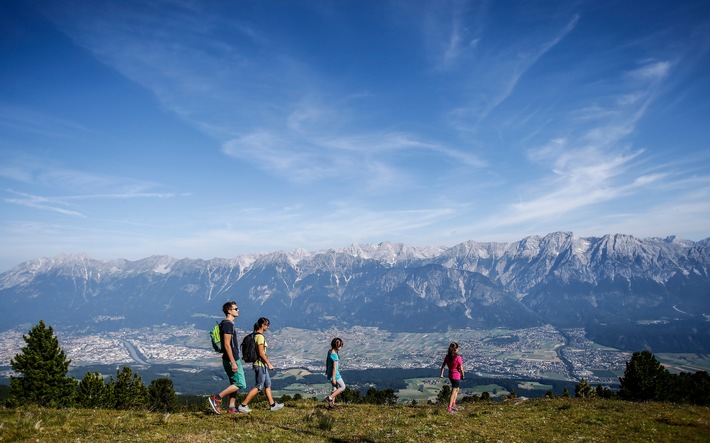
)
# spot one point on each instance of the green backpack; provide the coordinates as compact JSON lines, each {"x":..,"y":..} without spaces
{"x":216,"y":338}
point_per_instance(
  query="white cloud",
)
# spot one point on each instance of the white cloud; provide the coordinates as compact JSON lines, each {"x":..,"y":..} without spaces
{"x":42,"y":203}
{"x":651,"y":72}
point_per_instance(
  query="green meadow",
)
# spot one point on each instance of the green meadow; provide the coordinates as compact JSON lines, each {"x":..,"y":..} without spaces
{"x":536,"y":420}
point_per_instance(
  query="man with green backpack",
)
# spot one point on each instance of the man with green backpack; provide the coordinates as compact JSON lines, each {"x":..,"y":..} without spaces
{"x":226,"y":342}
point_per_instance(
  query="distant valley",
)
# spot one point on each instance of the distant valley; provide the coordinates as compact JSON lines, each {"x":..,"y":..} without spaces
{"x":531,"y":360}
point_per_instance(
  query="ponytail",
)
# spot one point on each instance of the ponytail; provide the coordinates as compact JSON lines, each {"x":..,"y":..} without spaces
{"x":261,"y":322}
{"x":336,"y":343}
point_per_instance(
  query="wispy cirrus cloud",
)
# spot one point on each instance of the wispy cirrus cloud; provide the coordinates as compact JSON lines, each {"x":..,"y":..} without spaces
{"x":312,"y":157}
{"x":42,"y":203}
{"x":579,"y":180}
{"x":60,"y":203}
{"x":61,"y":190}
{"x":593,"y":164}
{"x":33,"y":170}
{"x":495,"y":73}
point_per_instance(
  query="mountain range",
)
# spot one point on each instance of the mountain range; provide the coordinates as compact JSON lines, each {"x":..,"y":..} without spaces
{"x":626,"y":291}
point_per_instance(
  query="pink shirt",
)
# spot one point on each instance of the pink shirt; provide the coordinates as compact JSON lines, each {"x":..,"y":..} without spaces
{"x":454,"y":367}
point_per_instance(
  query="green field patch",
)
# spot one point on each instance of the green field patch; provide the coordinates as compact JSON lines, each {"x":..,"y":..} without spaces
{"x":407,"y":395}
{"x":298,"y":373}
{"x":534,"y":386}
{"x":303,"y":389}
{"x":604,"y":373}
{"x":424,"y":384}
{"x":420,"y":389}
{"x":685,"y":362}
{"x":554,"y":376}
{"x":492,"y":389}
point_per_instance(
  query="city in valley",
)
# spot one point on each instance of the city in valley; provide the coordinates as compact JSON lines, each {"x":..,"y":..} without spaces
{"x":528,"y":354}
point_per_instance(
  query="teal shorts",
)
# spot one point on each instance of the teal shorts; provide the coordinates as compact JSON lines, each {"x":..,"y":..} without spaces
{"x":236,"y":378}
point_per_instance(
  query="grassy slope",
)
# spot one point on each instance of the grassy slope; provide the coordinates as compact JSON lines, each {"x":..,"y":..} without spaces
{"x":538,"y":420}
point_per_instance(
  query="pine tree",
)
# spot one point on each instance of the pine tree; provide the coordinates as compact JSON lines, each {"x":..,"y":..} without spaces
{"x":444,"y":395}
{"x":129,"y":392}
{"x":686,"y":387}
{"x":604,"y":392}
{"x":162,"y":395}
{"x":349,"y":395}
{"x":92,"y":391}
{"x":43,"y":366}
{"x":565,"y":393}
{"x":583,"y":389}
{"x":644,"y":379}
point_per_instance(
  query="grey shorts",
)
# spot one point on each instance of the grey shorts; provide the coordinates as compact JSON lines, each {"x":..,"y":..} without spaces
{"x":339,"y":384}
{"x":263,"y":380}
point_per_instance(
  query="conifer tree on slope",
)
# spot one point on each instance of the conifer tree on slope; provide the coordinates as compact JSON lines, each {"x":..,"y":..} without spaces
{"x":43,"y":366}
{"x":645,"y":379}
{"x":583,"y":389}
{"x":162,"y":395}
{"x":92,"y":391}
{"x":129,"y":392}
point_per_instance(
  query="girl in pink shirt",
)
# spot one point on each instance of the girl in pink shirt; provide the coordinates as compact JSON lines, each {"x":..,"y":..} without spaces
{"x":455,"y":363}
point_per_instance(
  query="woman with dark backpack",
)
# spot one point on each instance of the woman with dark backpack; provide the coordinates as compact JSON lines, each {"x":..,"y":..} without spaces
{"x":261,"y":366}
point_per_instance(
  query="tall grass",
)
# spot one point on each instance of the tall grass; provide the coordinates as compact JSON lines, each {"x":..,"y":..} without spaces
{"x":537,"y":420}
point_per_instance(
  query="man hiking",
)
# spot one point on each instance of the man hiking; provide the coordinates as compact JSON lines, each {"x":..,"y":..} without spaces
{"x":230,"y":360}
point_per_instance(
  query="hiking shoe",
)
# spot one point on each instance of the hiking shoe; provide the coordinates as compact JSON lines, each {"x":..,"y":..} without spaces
{"x":451,"y":410}
{"x":330,"y":401}
{"x":456,"y":408}
{"x":232,"y":411}
{"x":244,"y":409}
{"x":215,"y":402}
{"x":276,"y":407}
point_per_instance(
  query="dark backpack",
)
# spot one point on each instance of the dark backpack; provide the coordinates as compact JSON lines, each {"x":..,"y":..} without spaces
{"x":249,"y":352}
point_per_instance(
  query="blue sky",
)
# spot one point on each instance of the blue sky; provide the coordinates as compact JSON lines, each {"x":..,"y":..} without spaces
{"x":209,"y":129}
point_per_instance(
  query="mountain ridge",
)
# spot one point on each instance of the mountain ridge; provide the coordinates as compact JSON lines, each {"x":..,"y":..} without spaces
{"x":557,"y":278}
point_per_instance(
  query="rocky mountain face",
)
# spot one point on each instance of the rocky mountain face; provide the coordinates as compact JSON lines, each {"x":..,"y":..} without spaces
{"x":559,"y":279}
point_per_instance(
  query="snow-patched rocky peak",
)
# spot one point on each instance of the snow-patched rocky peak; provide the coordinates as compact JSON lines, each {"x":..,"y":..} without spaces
{"x":78,"y":266}
{"x":559,"y":278}
{"x":390,"y":253}
{"x":517,"y":266}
